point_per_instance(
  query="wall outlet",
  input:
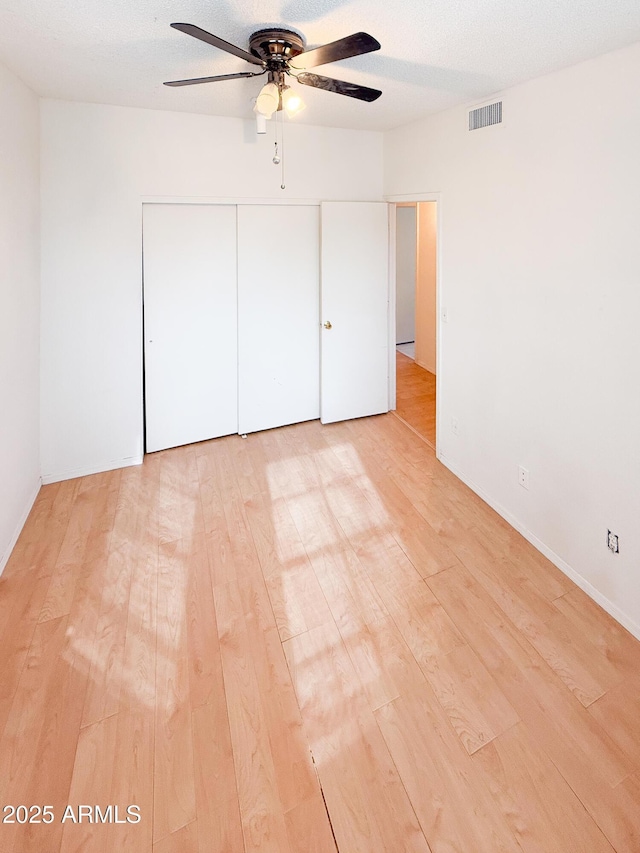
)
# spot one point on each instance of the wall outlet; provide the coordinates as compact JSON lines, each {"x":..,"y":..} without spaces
{"x":444,"y":313}
{"x":523,"y":477}
{"x":612,"y":542}
{"x":455,"y":428}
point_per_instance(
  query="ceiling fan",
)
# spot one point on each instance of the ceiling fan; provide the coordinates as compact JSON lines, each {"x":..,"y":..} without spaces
{"x":280,"y":53}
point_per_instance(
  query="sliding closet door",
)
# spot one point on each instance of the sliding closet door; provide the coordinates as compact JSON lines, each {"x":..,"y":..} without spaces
{"x":355,"y":310}
{"x":278,"y":310}
{"x":190,"y":317}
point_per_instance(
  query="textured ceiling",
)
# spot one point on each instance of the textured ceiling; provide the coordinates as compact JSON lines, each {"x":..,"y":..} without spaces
{"x":435,"y":53}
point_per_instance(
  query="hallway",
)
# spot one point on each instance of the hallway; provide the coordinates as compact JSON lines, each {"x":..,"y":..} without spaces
{"x":416,"y":397}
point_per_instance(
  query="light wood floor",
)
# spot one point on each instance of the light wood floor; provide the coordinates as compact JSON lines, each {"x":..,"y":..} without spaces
{"x":313,"y":639}
{"x":416,"y":397}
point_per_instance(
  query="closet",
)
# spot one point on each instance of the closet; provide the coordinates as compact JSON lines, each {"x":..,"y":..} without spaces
{"x":242,"y":332}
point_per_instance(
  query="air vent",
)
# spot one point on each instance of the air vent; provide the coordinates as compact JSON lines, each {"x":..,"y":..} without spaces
{"x":485,"y":116}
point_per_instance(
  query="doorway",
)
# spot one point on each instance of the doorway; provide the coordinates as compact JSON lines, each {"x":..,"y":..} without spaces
{"x":416,"y":316}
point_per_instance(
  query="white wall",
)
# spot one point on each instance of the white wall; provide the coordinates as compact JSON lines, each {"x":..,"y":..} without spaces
{"x":98,"y":162}
{"x":427,"y":281}
{"x":19,"y":307}
{"x":540,"y":274}
{"x":406,"y":255}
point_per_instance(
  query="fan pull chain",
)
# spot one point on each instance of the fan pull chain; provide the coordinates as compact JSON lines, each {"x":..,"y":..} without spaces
{"x":281,"y":160}
{"x":278,"y":158}
{"x":282,"y":183}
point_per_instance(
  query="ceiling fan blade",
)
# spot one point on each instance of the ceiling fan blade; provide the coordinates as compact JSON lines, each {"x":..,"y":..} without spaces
{"x":352,"y":90}
{"x":203,"y":35}
{"x":353,"y":45}
{"x":214,"y":79}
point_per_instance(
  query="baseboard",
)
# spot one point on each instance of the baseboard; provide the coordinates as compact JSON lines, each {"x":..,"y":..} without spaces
{"x":127,"y":462}
{"x":611,"y":608}
{"x":424,"y":367}
{"x":25,"y":513}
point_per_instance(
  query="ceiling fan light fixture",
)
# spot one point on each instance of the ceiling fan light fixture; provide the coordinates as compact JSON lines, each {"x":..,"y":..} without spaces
{"x":292,"y":101}
{"x":268,"y":100}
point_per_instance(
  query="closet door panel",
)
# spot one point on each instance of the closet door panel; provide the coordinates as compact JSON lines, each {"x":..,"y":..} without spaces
{"x":278,"y":315}
{"x":190,"y":315}
{"x":355,"y":310}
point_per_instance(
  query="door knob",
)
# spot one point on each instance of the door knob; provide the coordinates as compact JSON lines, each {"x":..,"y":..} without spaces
{"x":327,"y":325}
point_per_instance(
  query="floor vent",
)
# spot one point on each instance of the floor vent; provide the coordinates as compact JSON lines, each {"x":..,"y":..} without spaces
{"x":485,"y":116}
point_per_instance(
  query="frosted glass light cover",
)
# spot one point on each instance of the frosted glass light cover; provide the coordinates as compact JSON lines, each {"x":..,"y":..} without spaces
{"x":268,"y":100}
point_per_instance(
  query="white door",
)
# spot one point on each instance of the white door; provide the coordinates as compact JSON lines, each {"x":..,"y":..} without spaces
{"x":354,"y":310}
{"x":190,"y":323}
{"x":278,"y":315}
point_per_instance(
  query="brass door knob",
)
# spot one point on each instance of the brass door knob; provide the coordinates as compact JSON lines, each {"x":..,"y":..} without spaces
{"x":327,"y":325}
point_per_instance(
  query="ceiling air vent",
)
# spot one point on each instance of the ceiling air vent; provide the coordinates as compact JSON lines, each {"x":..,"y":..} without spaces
{"x":485,"y":116}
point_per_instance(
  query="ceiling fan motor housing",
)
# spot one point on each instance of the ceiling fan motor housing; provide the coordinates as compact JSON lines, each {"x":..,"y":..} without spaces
{"x":275,"y":47}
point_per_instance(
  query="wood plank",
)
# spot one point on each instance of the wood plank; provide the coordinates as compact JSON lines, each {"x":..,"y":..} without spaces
{"x":219,"y":823}
{"x":576,"y":744}
{"x":133,"y":778}
{"x":471,"y":698}
{"x":585,"y":671}
{"x":440,"y":779}
{"x":613,"y":642}
{"x":388,"y":505}
{"x":203,"y":647}
{"x":308,"y":827}
{"x":366,"y":800}
{"x":129,"y":543}
{"x":135,"y":734}
{"x":20,"y":744}
{"x":296,"y":597}
{"x":384,"y":663}
{"x":92,"y":512}
{"x":539,"y":806}
{"x":178,"y":500}
{"x":24,"y":597}
{"x":584,"y":753}
{"x":423,"y":622}
{"x":86,"y":540}
{"x":91,"y":784}
{"x":26,"y":580}
{"x":260,"y":806}
{"x":246,"y":573}
{"x":618,"y":712}
{"x":174,"y":777}
{"x":295,"y":777}
{"x":61,"y":716}
{"x":184,"y":840}
{"x":39,"y":543}
{"x":351,"y":597}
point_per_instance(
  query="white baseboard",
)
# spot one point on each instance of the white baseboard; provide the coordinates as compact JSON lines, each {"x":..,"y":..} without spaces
{"x":425,"y":367}
{"x":611,"y":608}
{"x":127,"y":462}
{"x":11,"y":544}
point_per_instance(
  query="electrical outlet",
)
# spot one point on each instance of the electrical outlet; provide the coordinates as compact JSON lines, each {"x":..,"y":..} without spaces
{"x":523,"y":477}
{"x":455,"y":429}
{"x":444,"y":313}
{"x":612,"y":542}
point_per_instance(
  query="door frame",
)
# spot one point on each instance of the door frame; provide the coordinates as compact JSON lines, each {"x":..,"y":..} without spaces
{"x":417,"y":197}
